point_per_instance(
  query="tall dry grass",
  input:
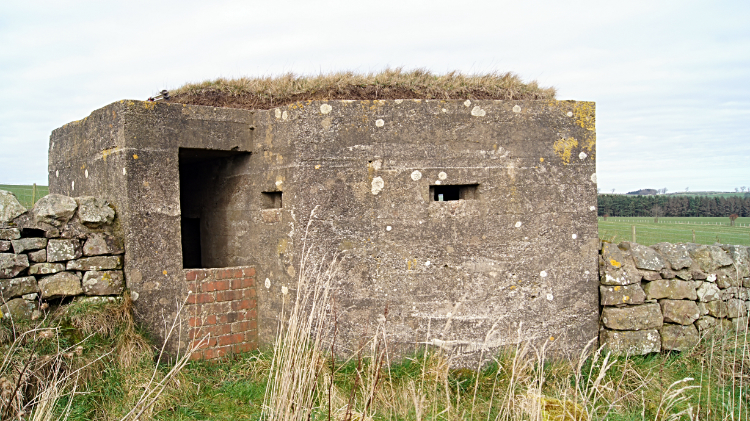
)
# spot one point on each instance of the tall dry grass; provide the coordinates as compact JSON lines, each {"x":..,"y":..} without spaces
{"x":273,"y":91}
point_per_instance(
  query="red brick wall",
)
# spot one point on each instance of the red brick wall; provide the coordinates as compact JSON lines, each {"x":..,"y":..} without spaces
{"x":222,"y":306}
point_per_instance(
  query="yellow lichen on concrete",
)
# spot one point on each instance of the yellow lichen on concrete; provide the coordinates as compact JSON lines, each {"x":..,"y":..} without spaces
{"x":107,"y":152}
{"x":585,"y":115}
{"x":564,"y":147}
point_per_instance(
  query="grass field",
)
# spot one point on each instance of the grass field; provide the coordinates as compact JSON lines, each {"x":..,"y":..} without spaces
{"x":676,"y":230}
{"x":27,"y":195}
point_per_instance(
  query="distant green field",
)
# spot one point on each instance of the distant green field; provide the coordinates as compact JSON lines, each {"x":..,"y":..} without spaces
{"x":707,"y":230}
{"x":26,"y":194}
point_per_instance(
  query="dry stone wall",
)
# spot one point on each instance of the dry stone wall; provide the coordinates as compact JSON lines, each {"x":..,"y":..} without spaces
{"x":63,"y":247}
{"x":663,"y":297}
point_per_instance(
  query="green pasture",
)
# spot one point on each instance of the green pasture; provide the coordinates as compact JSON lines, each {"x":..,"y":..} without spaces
{"x":27,"y":195}
{"x":707,"y":230}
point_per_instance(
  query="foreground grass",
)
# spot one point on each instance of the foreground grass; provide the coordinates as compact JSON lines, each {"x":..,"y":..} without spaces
{"x":270,"y":92}
{"x":114,"y":365}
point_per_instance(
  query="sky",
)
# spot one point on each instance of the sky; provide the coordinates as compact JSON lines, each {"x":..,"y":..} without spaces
{"x":671,"y":79}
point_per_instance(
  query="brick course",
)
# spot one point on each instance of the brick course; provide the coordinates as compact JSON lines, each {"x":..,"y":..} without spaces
{"x":222,"y":307}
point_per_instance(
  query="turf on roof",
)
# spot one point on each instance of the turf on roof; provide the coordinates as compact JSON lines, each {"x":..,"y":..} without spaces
{"x":269,"y":92}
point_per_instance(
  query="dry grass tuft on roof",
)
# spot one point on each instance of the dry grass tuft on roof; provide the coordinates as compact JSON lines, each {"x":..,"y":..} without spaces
{"x":268,"y":92}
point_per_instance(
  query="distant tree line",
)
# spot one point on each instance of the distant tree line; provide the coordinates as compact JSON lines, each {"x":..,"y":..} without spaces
{"x":621,"y":205}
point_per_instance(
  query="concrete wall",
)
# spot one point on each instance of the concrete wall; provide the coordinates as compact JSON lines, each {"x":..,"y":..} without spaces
{"x":514,"y":260}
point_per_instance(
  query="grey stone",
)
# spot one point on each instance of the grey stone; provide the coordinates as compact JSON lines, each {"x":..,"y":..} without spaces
{"x":707,"y":292}
{"x":698,"y":275}
{"x":667,"y":274}
{"x":709,"y":258}
{"x":746,"y":282}
{"x":702,"y":309}
{"x":62,"y":250}
{"x":724,"y":324}
{"x":46,"y":268}
{"x":727,"y":293}
{"x":644,"y":257}
{"x":682,"y":312}
{"x":16,"y":287}
{"x":62,"y":284}
{"x":670,"y":288}
{"x":684,"y":274}
{"x":716,"y":309}
{"x":23,"y":244}
{"x":705,"y":323}
{"x":93,"y":211}
{"x":103,"y":283}
{"x":18,"y":309}
{"x":727,"y":278}
{"x":678,"y":337}
{"x":740,"y":324}
{"x":99,"y":300}
{"x":676,"y":254}
{"x":649,"y":275}
{"x":30,"y":297}
{"x":630,"y":342}
{"x":740,"y":257}
{"x":38,"y":256}
{"x":736,"y":308}
{"x":640,"y":317}
{"x":12,"y":264}
{"x":626,"y":294}
{"x":10,"y":234}
{"x":618,"y":267}
{"x":4,"y":246}
{"x":10,"y":207}
{"x":99,"y":243}
{"x":54,"y":209}
{"x":96,"y":263}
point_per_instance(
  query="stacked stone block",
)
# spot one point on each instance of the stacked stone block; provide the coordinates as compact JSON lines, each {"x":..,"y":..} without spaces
{"x":661,"y":298}
{"x":222,"y":311}
{"x":63,"y":247}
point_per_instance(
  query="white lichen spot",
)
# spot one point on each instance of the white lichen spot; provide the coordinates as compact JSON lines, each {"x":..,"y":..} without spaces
{"x":516,"y":108}
{"x":379,"y":122}
{"x":277,"y":112}
{"x":377,"y":185}
{"x":592,"y":208}
{"x":518,"y":224}
{"x":444,"y":110}
{"x":381,"y":318}
{"x":449,"y":315}
{"x":570,"y":114}
{"x":586,"y":272}
{"x":574,"y":236}
{"x":72,"y":185}
{"x":268,"y":283}
{"x":57,"y":173}
{"x":593,"y":178}
{"x":711,"y":278}
{"x":550,"y":297}
{"x":325,"y":109}
{"x":582,"y":155}
{"x":427,"y":263}
{"x":416,"y":175}
{"x":279,"y":183}
{"x":124,"y":171}
{"x":543,"y":274}
{"x":388,"y":228}
{"x":86,"y":173}
{"x":437,"y":182}
{"x":478,"y":112}
{"x":398,"y":101}
{"x":467,"y":103}
{"x":377,"y":164}
{"x":284,"y":290}
{"x":442,"y":175}
{"x":284,"y":115}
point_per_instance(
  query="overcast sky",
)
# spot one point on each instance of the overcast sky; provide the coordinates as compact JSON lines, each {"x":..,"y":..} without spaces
{"x":671,"y":79}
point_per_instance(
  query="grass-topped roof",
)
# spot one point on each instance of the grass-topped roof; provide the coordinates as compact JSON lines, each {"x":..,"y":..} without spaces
{"x":269,"y":92}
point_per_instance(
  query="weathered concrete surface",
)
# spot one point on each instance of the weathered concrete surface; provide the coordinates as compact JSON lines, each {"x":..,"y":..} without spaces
{"x":629,"y":342}
{"x":520,"y":246}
